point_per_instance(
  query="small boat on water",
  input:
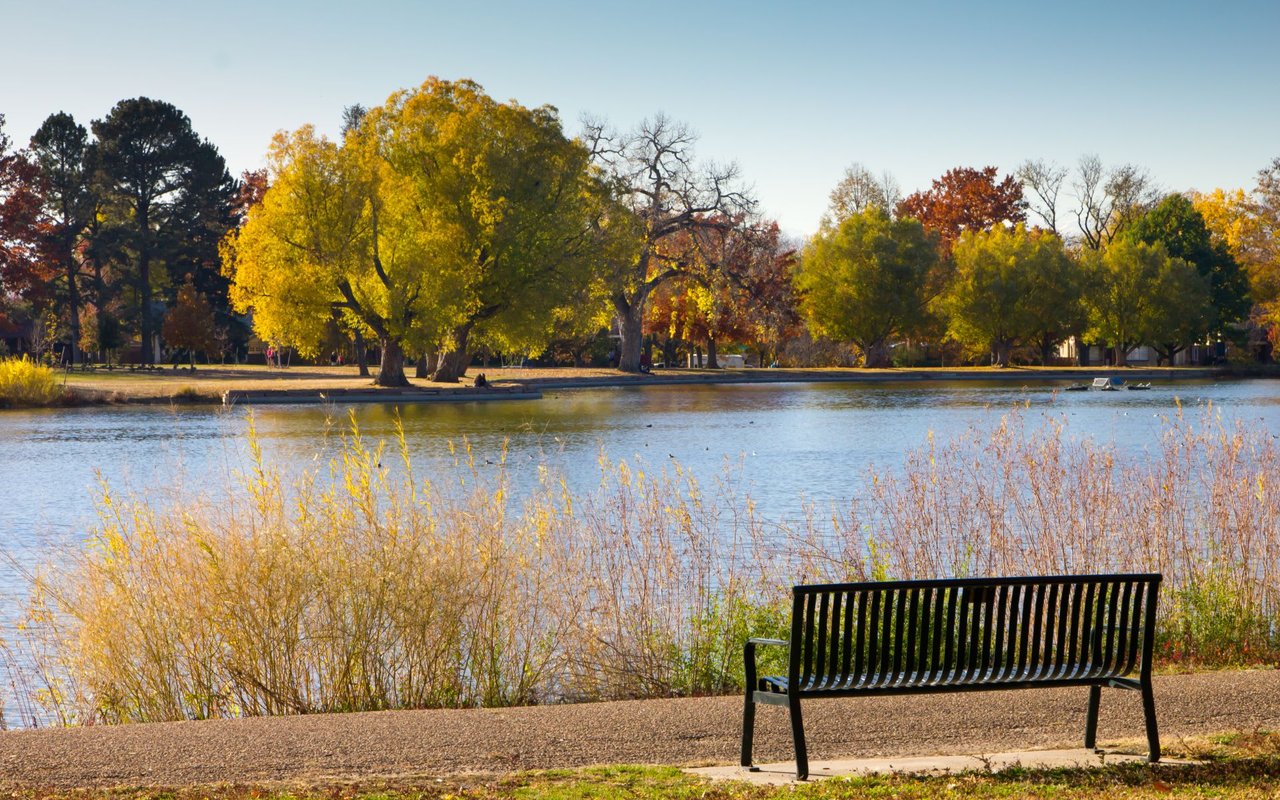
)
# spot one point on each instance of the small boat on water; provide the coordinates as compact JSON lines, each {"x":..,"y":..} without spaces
{"x":1108,"y":384}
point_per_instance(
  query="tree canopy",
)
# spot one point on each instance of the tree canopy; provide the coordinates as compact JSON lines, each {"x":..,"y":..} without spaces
{"x":1176,"y":224}
{"x":865,"y":281}
{"x":167,"y":195}
{"x":1011,"y":286}
{"x":966,"y":199}
{"x":1138,"y":294}
{"x":443,"y":214}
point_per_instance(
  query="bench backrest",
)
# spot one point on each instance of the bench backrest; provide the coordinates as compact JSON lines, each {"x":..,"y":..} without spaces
{"x":973,"y":630}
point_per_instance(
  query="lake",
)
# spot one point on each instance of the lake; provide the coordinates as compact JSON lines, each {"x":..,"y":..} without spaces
{"x":789,"y":443}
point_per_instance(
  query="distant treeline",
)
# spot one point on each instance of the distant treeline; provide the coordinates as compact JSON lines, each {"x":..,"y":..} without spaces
{"x":444,"y":225}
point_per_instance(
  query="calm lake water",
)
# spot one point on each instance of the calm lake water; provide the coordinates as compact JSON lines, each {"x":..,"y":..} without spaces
{"x":790,"y":443}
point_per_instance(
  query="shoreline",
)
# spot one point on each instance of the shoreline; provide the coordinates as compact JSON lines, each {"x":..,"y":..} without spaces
{"x":302,"y":385}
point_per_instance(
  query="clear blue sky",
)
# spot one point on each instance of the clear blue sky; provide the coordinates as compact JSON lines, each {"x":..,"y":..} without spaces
{"x":793,"y":92}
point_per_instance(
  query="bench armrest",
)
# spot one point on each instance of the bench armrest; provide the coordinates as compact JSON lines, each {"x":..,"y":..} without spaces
{"x":749,"y":659}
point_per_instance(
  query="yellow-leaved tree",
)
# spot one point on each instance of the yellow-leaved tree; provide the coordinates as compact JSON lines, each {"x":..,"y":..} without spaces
{"x":444,"y":218}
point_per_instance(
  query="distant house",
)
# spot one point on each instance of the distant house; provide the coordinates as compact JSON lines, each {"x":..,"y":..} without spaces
{"x":1143,"y":356}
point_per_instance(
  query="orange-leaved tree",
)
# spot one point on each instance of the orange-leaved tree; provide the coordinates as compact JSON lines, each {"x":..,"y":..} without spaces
{"x":966,"y":199}
{"x":190,"y":323}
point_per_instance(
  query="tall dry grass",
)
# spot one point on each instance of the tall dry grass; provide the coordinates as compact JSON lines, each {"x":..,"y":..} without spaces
{"x":366,"y":587}
{"x":1201,"y":505}
{"x":369,"y":588}
{"x":25,"y":383}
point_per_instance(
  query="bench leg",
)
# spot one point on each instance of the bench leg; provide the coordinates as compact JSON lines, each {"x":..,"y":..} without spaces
{"x":748,"y":727}
{"x":797,"y":736}
{"x":1149,"y":711}
{"x":1091,"y":719}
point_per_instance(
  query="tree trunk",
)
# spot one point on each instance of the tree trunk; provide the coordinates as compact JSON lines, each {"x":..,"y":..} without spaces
{"x":1046,"y":351}
{"x":1082,"y":352}
{"x":877,"y":355}
{"x":362,"y":354}
{"x":1122,"y":356}
{"x":712,"y":363}
{"x":1002,"y":354}
{"x":144,"y":294}
{"x":73,"y":308}
{"x":420,"y":368}
{"x":631,"y":326}
{"x":454,"y":361}
{"x":391,"y":370}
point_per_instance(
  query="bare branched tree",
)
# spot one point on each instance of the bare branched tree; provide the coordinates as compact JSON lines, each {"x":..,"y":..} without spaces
{"x":859,"y":189}
{"x":1110,"y":200}
{"x":1042,"y":182}
{"x":667,"y":194}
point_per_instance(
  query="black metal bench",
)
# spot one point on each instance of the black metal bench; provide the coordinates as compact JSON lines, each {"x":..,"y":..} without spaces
{"x":973,"y":634}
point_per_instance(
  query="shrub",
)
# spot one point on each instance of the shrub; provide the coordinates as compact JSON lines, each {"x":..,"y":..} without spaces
{"x":25,"y":383}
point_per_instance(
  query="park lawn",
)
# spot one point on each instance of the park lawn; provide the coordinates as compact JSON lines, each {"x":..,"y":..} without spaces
{"x":1236,"y":766}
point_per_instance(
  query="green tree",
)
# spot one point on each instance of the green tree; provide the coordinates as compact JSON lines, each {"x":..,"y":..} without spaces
{"x":865,"y":281}
{"x":60,"y":148}
{"x":1176,"y":224}
{"x":1011,"y":286}
{"x":166,"y":191}
{"x":1137,"y":294}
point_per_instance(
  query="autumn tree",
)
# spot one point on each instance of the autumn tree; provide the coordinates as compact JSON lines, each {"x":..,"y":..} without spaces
{"x":23,"y":273}
{"x":1011,"y":287}
{"x":442,"y":216}
{"x":760,"y":271}
{"x":1176,"y":224}
{"x":311,"y":248}
{"x":167,"y":193}
{"x":515,"y":211}
{"x":866,"y":281}
{"x":190,"y":323}
{"x":60,"y":147}
{"x":1248,"y":224}
{"x":966,"y":199}
{"x":663,"y":194}
{"x":858,"y":189}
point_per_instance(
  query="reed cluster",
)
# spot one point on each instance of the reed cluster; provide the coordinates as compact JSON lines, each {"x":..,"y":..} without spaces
{"x":368,"y":586}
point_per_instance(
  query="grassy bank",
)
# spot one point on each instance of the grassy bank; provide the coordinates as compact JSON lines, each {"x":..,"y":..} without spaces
{"x":366,"y":587}
{"x":208,"y":384}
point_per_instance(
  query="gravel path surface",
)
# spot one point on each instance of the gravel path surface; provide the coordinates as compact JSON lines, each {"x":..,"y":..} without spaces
{"x":404,"y":744}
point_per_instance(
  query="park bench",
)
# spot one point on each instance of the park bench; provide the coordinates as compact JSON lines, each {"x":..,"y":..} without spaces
{"x":971,"y":634}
